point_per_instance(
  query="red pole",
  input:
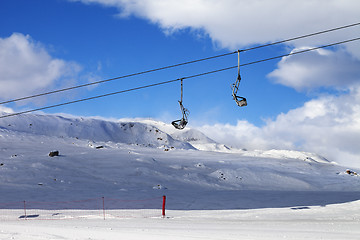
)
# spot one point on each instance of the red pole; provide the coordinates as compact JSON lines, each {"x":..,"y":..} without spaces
{"x":163,"y":206}
{"x":25,"y":209}
{"x":103,"y":200}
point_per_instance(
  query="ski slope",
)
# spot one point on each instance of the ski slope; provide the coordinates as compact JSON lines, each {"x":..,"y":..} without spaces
{"x":213,"y":191}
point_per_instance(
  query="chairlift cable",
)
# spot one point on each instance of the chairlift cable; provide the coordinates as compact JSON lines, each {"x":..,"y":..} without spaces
{"x":175,"y":80}
{"x":272,"y":58}
{"x":117,"y":78}
{"x":177,"y":65}
{"x":300,"y":37}
{"x":89,"y":98}
{"x":301,"y":51}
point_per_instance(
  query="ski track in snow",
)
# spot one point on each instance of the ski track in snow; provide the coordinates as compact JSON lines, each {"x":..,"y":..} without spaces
{"x":212,"y":193}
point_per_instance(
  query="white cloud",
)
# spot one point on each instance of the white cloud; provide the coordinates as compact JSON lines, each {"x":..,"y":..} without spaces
{"x":237,"y":23}
{"x":5,"y":110}
{"x":320,"y":68}
{"x":27,"y":68}
{"x":327,"y":125}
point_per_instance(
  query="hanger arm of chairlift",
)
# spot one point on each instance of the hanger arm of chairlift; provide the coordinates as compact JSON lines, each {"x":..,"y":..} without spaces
{"x":240,"y":101}
{"x":181,"y":123}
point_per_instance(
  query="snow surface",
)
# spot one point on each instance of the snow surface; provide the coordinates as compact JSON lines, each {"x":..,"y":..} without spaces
{"x":330,"y":222}
{"x":213,"y":191}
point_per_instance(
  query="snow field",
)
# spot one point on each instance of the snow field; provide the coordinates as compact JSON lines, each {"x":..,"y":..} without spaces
{"x":220,"y":193}
{"x":340,"y":221}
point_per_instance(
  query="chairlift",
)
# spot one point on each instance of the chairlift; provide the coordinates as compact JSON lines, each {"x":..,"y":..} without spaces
{"x":240,"y":101}
{"x":181,"y":123}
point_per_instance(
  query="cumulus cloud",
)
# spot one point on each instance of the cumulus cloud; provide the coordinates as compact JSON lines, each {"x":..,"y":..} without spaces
{"x":327,"y":125}
{"x":5,"y":110}
{"x":320,"y":68}
{"x":237,"y":23}
{"x":27,"y":68}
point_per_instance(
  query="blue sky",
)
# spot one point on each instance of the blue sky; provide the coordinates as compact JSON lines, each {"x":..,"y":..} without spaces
{"x":47,"y":45}
{"x":106,"y":46}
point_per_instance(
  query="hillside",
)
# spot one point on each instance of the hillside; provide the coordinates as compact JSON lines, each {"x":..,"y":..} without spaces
{"x":135,"y":160}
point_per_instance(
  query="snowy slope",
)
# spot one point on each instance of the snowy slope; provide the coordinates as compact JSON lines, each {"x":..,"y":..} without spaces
{"x":141,"y":132}
{"x":129,"y":160}
{"x":196,"y":138}
{"x":92,"y":129}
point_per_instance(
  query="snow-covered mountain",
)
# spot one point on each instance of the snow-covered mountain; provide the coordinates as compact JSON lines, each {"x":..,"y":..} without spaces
{"x":148,"y":133}
{"x":92,"y":130}
{"x":196,"y":138}
{"x":145,"y":158}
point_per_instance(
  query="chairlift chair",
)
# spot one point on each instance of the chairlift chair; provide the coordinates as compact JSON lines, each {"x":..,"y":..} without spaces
{"x":240,"y":101}
{"x":181,"y":123}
